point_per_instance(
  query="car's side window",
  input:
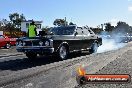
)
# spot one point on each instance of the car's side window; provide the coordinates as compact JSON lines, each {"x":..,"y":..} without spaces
{"x":85,"y":31}
{"x":90,"y":31}
{"x":79,"y":31}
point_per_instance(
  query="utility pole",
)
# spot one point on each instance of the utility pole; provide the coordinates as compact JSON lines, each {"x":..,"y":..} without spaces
{"x":71,"y":19}
{"x":102,"y":26}
{"x":65,"y":21}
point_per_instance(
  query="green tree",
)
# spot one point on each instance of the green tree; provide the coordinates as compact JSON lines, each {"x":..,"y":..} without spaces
{"x":96,"y":30}
{"x":108,"y":27}
{"x":60,"y":22}
{"x":16,"y":19}
{"x":71,"y":23}
{"x":122,"y":27}
{"x":46,"y":28}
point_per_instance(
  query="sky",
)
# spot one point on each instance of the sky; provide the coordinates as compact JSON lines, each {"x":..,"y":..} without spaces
{"x":80,"y":12}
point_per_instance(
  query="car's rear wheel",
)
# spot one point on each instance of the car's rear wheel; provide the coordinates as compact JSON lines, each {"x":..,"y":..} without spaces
{"x":31,"y":55}
{"x":63,"y":52}
{"x":8,"y":45}
{"x":93,"y":48}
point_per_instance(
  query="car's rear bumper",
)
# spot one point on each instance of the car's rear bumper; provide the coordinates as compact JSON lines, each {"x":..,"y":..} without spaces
{"x":47,"y":50}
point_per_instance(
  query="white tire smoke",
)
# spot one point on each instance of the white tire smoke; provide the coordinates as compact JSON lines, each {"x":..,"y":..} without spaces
{"x":109,"y":44}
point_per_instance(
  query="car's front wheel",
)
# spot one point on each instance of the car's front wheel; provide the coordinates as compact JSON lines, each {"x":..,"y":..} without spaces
{"x":8,"y":45}
{"x":31,"y":55}
{"x":63,"y":52}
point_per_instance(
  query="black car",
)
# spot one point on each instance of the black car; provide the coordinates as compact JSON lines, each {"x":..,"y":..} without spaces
{"x":60,"y":41}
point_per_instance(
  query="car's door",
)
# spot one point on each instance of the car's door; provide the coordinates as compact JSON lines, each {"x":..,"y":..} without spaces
{"x":66,"y":36}
{"x":89,"y":38}
{"x":2,"y":41}
{"x":79,"y":38}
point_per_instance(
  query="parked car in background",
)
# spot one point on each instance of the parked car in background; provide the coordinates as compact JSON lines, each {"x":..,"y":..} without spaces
{"x":6,"y":41}
{"x":61,"y":41}
{"x":105,"y":36}
{"x":122,"y":38}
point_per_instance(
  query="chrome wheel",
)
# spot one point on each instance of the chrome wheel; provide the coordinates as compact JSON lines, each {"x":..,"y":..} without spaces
{"x":7,"y":46}
{"x":63,"y":52}
{"x":94,"y":48}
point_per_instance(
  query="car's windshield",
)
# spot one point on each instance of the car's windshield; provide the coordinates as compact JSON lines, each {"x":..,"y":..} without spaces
{"x":63,"y":30}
